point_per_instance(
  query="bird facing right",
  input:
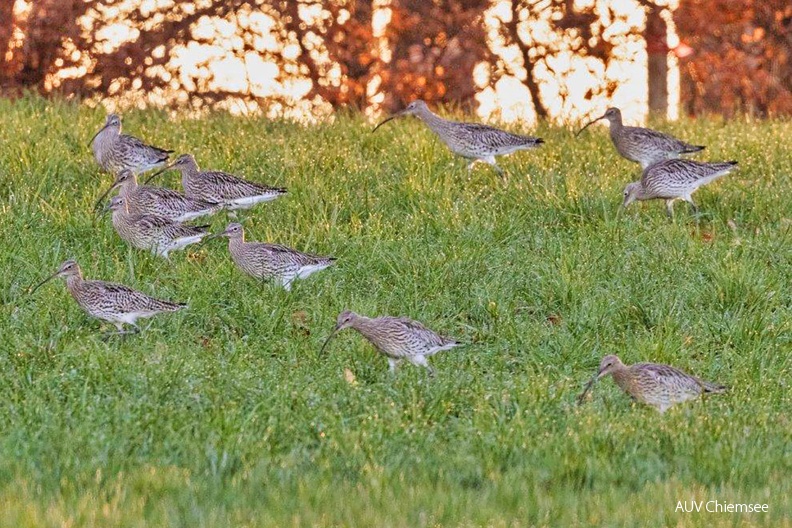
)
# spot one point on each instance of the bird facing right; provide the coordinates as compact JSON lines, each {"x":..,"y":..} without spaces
{"x":675,"y":179}
{"x":397,"y":338}
{"x":108,"y":301}
{"x":660,"y":386}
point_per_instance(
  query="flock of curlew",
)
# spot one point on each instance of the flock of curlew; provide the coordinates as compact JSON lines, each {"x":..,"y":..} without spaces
{"x":153,"y":219}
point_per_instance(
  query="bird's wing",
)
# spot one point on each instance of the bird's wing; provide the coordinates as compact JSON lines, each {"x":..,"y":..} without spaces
{"x":232,"y":187}
{"x":664,"y":141}
{"x":669,"y":376}
{"x":176,"y":230}
{"x":495,"y":137}
{"x":430,"y":337}
{"x":119,"y":293}
{"x":135,"y":143}
{"x":287,"y":253}
{"x":148,"y":222}
{"x":685,"y":171}
{"x":163,"y":193}
{"x":109,"y":288}
{"x":128,"y":298}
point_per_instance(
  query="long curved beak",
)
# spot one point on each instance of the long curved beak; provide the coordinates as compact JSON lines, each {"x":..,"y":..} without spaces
{"x":163,"y":169}
{"x":42,"y":283}
{"x":391,"y":118}
{"x":335,"y":331}
{"x":589,"y":124}
{"x":94,"y":136}
{"x":212,"y":236}
{"x":590,"y":384}
{"x":106,"y":209}
{"x":104,"y":195}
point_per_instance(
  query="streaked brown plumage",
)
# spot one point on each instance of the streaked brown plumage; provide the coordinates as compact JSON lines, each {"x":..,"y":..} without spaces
{"x":660,"y":386}
{"x":675,"y":179}
{"x":220,"y":187}
{"x":115,"y":151}
{"x":154,"y":233}
{"x":271,"y":261}
{"x":108,"y":301}
{"x":397,"y":338}
{"x":473,"y":141}
{"x":642,"y":145}
{"x":158,"y":201}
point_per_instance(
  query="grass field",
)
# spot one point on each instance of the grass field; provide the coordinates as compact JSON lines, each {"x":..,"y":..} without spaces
{"x":226,"y":415}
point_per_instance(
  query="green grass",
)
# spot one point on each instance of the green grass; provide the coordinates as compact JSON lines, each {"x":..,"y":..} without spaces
{"x":226,"y":415}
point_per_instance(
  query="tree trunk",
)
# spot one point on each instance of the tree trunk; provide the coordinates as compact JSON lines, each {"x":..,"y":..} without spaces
{"x":6,"y":30}
{"x":656,"y":35}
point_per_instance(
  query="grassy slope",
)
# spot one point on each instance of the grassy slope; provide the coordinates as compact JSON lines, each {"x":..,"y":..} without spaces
{"x":225,"y":414}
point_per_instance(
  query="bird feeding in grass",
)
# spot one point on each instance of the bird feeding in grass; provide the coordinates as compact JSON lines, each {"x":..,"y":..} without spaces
{"x":397,"y":338}
{"x":154,"y":233}
{"x":642,"y":145}
{"x":472,"y":141}
{"x":158,"y":201}
{"x":115,"y":151}
{"x":675,"y":179}
{"x":271,"y":261}
{"x":660,"y":386}
{"x":108,"y":301}
{"x":220,"y":187}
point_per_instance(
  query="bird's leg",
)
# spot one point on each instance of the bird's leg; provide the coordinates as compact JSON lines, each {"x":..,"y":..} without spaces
{"x":422,"y":362}
{"x":232,"y":215}
{"x":392,"y":364}
{"x":120,"y":331}
{"x":670,"y":208}
{"x":494,"y":164}
{"x":470,"y":166}
{"x":693,"y":206}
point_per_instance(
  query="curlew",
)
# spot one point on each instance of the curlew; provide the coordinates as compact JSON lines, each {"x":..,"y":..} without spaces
{"x":472,"y":141}
{"x":660,"y":386}
{"x":108,"y":301}
{"x":220,"y":187}
{"x":397,"y":338}
{"x":147,"y":200}
{"x":271,"y":261}
{"x":115,"y":151}
{"x":675,"y":179}
{"x":154,"y":233}
{"x":642,"y":145}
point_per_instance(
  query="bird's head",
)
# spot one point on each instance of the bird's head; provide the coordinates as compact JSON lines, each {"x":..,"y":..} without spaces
{"x":70,"y":268}
{"x":417,"y":107}
{"x":608,"y":364}
{"x":344,"y":320}
{"x":631,"y":193}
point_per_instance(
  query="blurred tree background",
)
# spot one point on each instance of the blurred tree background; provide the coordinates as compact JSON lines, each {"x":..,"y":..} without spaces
{"x":288,"y":57}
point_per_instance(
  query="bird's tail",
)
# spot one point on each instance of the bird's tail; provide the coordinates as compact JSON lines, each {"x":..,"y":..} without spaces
{"x":714,"y":388}
{"x":168,"y":306}
{"x":720,"y":169}
{"x":689,"y":149}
